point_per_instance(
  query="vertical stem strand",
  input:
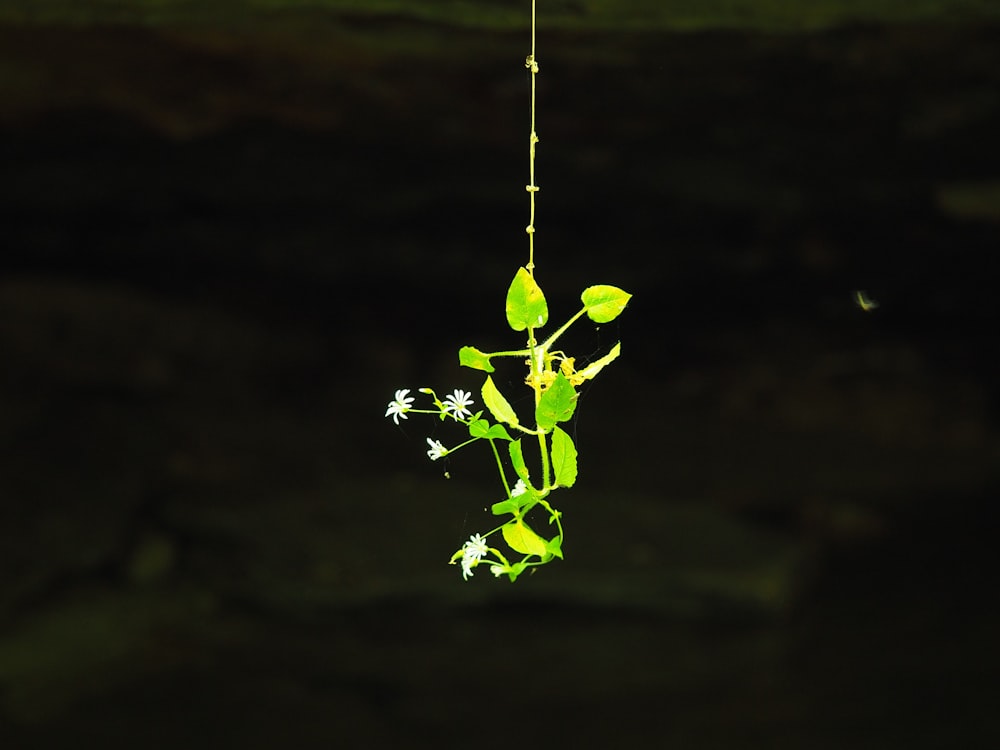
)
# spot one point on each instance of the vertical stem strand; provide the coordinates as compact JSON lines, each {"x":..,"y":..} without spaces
{"x":537,"y":365}
{"x":532,"y":65}
{"x":503,"y":477}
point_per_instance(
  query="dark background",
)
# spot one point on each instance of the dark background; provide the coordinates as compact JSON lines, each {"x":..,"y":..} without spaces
{"x":228,"y":235}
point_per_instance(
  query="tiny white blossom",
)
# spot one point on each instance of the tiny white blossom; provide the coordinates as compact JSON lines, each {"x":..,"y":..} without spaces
{"x":400,"y":406}
{"x":476,"y":548}
{"x":498,"y":570}
{"x":471,"y":553}
{"x":437,"y":449}
{"x":519,"y":489}
{"x":457,"y":403}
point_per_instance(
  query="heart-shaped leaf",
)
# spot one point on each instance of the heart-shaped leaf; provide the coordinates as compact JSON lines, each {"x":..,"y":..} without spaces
{"x":526,"y":306}
{"x":604,"y":303}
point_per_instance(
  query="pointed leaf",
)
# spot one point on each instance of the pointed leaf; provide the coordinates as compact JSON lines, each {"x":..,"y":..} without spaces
{"x":563,"y":458}
{"x":522,"y":539}
{"x":504,"y":507}
{"x":557,"y":403}
{"x":501,"y":410}
{"x":597,"y":365}
{"x":604,"y":303}
{"x":513,"y":504}
{"x":517,"y":459}
{"x":479,"y":428}
{"x":470,"y":356}
{"x":515,"y":570}
{"x":498,"y":432}
{"x":526,"y":304}
{"x":554,"y":546}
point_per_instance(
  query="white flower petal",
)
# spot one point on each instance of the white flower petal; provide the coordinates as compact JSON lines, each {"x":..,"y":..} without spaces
{"x":476,"y":548}
{"x":437,"y":450}
{"x":400,"y":405}
{"x":457,"y":403}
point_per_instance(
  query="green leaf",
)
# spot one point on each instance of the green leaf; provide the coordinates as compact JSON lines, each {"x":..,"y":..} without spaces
{"x":501,"y":410}
{"x":604,"y":303}
{"x":554,"y":547}
{"x":526,"y":306}
{"x":522,"y":539}
{"x":596,"y":366}
{"x":557,"y":403}
{"x":504,"y":507}
{"x":515,"y":570}
{"x":498,"y":432}
{"x":517,"y":459}
{"x":513,"y":504}
{"x":563,"y":458}
{"x":479,"y":428}
{"x":470,"y":356}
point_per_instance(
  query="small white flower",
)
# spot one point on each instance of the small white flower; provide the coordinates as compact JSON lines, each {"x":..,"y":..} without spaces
{"x":476,"y":548}
{"x":498,"y":570}
{"x":457,"y":404}
{"x":519,"y":489}
{"x":437,"y":450}
{"x":400,"y":406}
{"x":472,"y":552}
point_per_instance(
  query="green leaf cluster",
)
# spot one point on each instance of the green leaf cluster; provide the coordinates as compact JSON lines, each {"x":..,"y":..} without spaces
{"x":554,"y":381}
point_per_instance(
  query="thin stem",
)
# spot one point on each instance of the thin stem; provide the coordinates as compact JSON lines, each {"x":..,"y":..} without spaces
{"x":511,"y":353}
{"x":562,"y":329}
{"x":553,"y":514}
{"x":531,"y":63}
{"x":537,"y":354}
{"x":503,"y":477}
{"x":470,"y":441}
{"x":543,"y":450}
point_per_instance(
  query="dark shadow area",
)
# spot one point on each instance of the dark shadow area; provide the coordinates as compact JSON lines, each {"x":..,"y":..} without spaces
{"x":223,"y":252}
